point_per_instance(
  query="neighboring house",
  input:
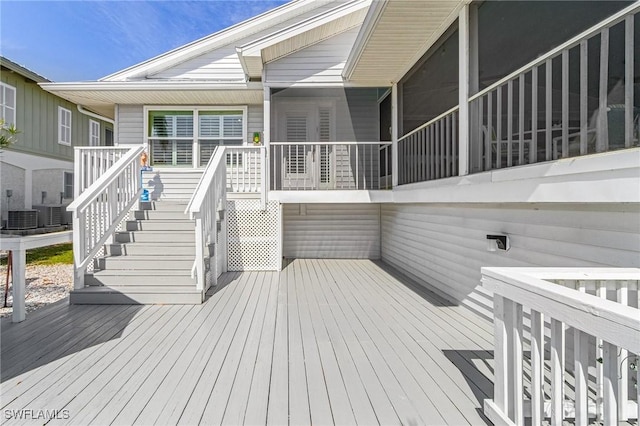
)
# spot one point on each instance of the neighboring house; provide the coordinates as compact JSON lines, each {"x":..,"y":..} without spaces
{"x":38,"y":168}
{"x":401,"y":131}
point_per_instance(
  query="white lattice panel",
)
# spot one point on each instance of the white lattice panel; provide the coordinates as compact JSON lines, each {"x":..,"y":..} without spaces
{"x":253,"y":236}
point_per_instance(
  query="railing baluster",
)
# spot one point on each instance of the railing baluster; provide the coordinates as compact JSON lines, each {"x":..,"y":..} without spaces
{"x":548,"y":108}
{"x":628,"y":86}
{"x":610,"y":376}
{"x":510,"y":123}
{"x":499,"y":128}
{"x":533,"y":150}
{"x":500,"y":354}
{"x":602,"y":143}
{"x":488,"y":130}
{"x":584,"y":95}
{"x":537,"y":367}
{"x":557,"y":372}
{"x":513,"y":321}
{"x":565,"y":103}
{"x":622,"y":297}
{"x":454,"y":138}
{"x":447,"y":145}
{"x":521,"y":120}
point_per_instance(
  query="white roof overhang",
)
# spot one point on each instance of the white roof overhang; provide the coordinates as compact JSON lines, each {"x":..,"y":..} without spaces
{"x":216,"y":40}
{"x":291,"y":39}
{"x":394,"y":36}
{"x":101,"y":97}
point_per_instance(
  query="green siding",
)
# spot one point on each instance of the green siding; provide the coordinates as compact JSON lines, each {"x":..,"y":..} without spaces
{"x":37,"y":120}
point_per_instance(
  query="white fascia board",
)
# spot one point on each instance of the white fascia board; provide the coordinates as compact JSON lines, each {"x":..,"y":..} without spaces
{"x":369,"y":24}
{"x":255,"y":47}
{"x":213,"y":41}
{"x":148,"y":86}
{"x":332,"y":196}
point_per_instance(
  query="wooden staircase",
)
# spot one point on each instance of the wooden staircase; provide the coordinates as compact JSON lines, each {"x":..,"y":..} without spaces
{"x":150,"y":260}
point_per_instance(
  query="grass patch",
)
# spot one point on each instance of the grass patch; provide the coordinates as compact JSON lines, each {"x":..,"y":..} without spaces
{"x":51,"y":255}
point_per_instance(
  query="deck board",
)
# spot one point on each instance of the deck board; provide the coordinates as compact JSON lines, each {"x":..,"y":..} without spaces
{"x":323,"y":342}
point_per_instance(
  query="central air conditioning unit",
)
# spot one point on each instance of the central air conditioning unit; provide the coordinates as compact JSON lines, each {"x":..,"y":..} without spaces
{"x":49,"y":215}
{"x":22,"y":219}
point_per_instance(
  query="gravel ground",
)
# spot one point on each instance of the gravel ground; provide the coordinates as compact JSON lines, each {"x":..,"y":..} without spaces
{"x":45,"y":285}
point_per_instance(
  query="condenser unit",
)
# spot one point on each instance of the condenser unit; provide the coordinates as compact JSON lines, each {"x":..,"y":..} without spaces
{"x":49,"y":215}
{"x":22,"y":219}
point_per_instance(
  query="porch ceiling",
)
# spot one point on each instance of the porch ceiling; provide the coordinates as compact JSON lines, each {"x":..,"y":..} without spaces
{"x":102,"y":97}
{"x":395,"y":34}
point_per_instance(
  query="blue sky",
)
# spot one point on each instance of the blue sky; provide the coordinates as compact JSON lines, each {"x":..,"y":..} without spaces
{"x":86,"y":40}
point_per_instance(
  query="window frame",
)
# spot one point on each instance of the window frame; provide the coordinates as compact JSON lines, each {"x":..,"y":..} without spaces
{"x":65,"y":186}
{"x":3,"y":106}
{"x":62,"y":111}
{"x":195,"y":138}
{"x":94,"y":137}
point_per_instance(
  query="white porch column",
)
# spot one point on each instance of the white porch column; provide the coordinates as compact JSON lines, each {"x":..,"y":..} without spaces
{"x":28,"y":188}
{"x":19,"y":275}
{"x":394,"y":134}
{"x":266,"y":134}
{"x":463,"y":90}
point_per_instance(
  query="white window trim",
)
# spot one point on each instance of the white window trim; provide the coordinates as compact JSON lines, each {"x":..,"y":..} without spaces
{"x":64,"y":174}
{"x":15,"y":105}
{"x":94,"y":139}
{"x":196,"y":130}
{"x":61,"y":111}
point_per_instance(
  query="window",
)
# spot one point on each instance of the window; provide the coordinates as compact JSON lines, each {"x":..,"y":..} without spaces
{"x":8,"y":103}
{"x":189,"y":137}
{"x":94,"y":133}
{"x":67,"y":184}
{"x":64,"y":126}
{"x":108,"y":137}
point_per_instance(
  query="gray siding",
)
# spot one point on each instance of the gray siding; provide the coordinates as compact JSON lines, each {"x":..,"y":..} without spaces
{"x":444,"y":246}
{"x":332,"y":231}
{"x":255,"y":121}
{"x":37,"y":120}
{"x":130,"y":122}
{"x":320,"y":63}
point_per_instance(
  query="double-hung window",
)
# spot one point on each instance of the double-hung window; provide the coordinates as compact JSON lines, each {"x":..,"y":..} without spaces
{"x":189,"y":137}
{"x":94,"y":133}
{"x":219,"y":128}
{"x":64,"y":126}
{"x":171,"y":138}
{"x":67,"y":184}
{"x":8,"y":104}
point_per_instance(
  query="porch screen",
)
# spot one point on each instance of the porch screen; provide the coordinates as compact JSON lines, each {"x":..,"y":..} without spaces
{"x":171,"y":138}
{"x":219,"y":128}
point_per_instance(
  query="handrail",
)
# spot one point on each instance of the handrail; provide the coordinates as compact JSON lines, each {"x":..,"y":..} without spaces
{"x":194,"y":206}
{"x":99,"y":210}
{"x":430,"y":122}
{"x":610,"y":21}
{"x":202,"y":177}
{"x":604,"y":325}
{"x":331,"y":143}
{"x":104,"y":180}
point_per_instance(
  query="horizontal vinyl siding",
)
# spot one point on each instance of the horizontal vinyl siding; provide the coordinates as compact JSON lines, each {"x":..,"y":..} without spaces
{"x":255,"y":121}
{"x":321,"y":62}
{"x":37,"y":120}
{"x":223,"y":64}
{"x":130,"y":122}
{"x":330,"y":231}
{"x":444,"y":246}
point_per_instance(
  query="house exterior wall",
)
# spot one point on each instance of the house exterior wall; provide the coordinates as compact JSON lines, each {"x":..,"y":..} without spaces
{"x":37,"y":120}
{"x":51,"y":181}
{"x":321,"y":63}
{"x":332,"y":231}
{"x":130,"y":123}
{"x":13,"y":178}
{"x":443,"y":246}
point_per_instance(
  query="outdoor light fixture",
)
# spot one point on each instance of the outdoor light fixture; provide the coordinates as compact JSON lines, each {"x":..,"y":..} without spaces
{"x":497,"y":242}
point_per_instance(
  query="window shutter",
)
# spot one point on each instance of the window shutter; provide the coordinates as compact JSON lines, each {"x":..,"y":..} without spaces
{"x":232,"y":125}
{"x":210,"y":126}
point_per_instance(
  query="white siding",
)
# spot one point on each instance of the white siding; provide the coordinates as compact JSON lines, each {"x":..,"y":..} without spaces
{"x":223,"y":64}
{"x":332,"y":231}
{"x":130,"y":125}
{"x":255,"y":121}
{"x":444,"y":246}
{"x":320,"y":63}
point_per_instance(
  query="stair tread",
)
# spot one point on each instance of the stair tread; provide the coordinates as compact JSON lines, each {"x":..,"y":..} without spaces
{"x":136,"y":289}
{"x":142,"y":272}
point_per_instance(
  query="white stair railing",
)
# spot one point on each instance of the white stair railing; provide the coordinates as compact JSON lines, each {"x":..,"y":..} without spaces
{"x":207,"y":207}
{"x":91,"y":162}
{"x":246,"y":173}
{"x":586,"y":323}
{"x":98,"y":210}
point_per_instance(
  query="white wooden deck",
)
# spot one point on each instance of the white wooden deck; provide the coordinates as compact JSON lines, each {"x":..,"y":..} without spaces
{"x":323,"y":342}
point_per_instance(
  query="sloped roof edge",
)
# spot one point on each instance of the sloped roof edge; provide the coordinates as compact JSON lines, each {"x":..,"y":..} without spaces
{"x":369,"y":24}
{"x":213,"y":41}
{"x":23,"y":71}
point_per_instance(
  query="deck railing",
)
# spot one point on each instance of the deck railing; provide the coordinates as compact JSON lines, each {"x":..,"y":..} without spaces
{"x":91,"y":162}
{"x":330,"y":165}
{"x":588,"y":323}
{"x":430,"y":151}
{"x":99,"y":209}
{"x":545,"y":110}
{"x":246,"y":172}
{"x":207,"y":207}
